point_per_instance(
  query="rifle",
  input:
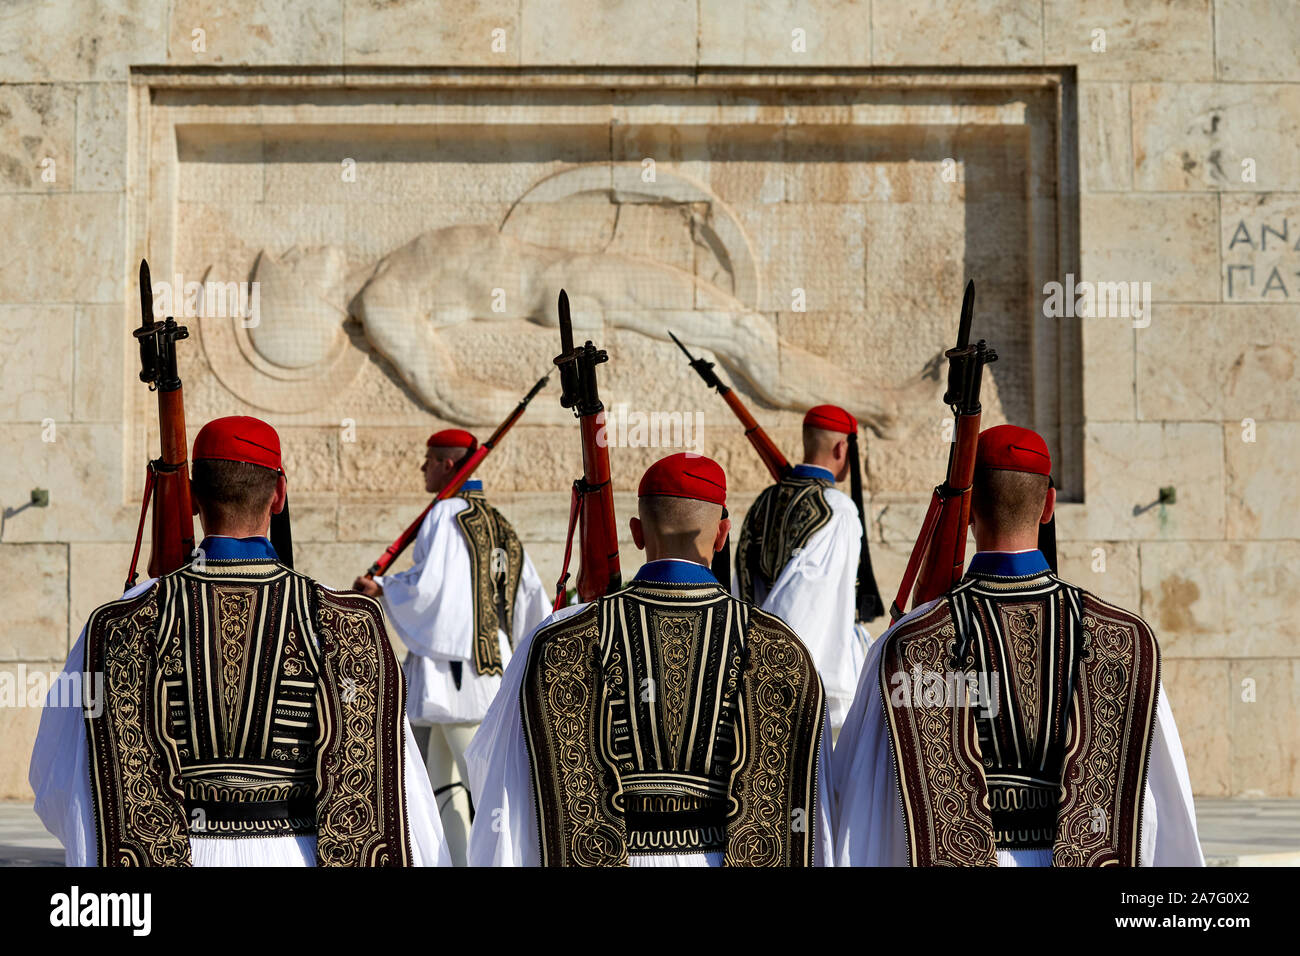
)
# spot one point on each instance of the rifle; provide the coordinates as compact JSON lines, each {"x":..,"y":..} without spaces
{"x":593,"y":493}
{"x":939,"y":556}
{"x":868,"y":604}
{"x":167,"y":479}
{"x":458,"y":479}
{"x":776,"y":463}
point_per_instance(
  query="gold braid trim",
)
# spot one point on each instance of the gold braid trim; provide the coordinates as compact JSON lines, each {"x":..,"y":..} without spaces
{"x":936,"y":750}
{"x":782,"y":519}
{"x":486,"y":532}
{"x":360,"y":762}
{"x":783,"y":708}
{"x":139,"y":809}
{"x":1108,"y":742}
{"x":560,"y":700}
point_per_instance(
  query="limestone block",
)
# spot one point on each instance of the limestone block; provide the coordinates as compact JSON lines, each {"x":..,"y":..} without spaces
{"x":1196,"y":136}
{"x":1179,"y":364}
{"x":1108,"y":346}
{"x":609,"y":32}
{"x":1263,"y":729}
{"x":314,"y":519}
{"x":1221,"y":599}
{"x":764,"y":33}
{"x":101,"y":137}
{"x":1105,"y":137}
{"x":80,"y":40}
{"x":1199,"y":693}
{"x":448,"y":33}
{"x":1258,"y":236}
{"x":1257,"y":40}
{"x":301,"y":32}
{"x":36,"y":358}
{"x":1168,"y":41}
{"x":311,"y":458}
{"x":808,"y":246}
{"x":1125,"y":466}
{"x":1229,"y":362}
{"x":18,"y":727}
{"x":1168,"y":241}
{"x":36,"y":628}
{"x":97,"y":383}
{"x":1109,"y":569}
{"x":977,"y":33}
{"x":37,"y":124}
{"x":79,"y":457}
{"x":97,"y":575}
{"x":336,"y":564}
{"x":87,"y":230}
{"x":382,"y":461}
{"x":1263,"y":497}
{"x":223,"y":166}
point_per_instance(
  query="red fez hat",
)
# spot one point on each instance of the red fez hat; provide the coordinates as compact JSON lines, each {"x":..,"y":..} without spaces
{"x":685,"y":476}
{"x":452,"y":438}
{"x":1012,"y":448}
{"x":832,"y":418}
{"x":239,"y":438}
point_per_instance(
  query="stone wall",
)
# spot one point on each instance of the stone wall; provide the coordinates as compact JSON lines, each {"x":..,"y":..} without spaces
{"x":825,"y":177}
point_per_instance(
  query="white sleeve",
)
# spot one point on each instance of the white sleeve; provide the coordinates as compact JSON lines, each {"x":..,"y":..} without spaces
{"x":59,"y":772}
{"x":814,"y":594}
{"x":504,"y":832}
{"x":824,"y":849}
{"x":431,"y":604}
{"x":1169,"y":835}
{"x":867,"y":806}
{"x":869,"y":829}
{"x":428,"y":846}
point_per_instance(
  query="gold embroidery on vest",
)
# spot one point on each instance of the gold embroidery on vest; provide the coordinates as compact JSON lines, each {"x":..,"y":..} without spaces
{"x":496,"y":559}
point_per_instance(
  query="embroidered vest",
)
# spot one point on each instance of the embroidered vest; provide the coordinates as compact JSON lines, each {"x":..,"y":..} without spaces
{"x":496,"y":561}
{"x":1020,"y":714}
{"x":240,"y":700}
{"x":783,"y":518}
{"x":673,"y":718}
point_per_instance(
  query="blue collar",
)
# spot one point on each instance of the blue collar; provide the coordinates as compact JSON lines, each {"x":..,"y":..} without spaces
{"x":472,"y":484}
{"x":1008,"y":564}
{"x":675,"y":571}
{"x":813,"y":471}
{"x":219,"y":548}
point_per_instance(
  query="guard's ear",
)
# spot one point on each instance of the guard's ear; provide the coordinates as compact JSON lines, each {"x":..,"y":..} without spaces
{"x":724,"y":529}
{"x":1049,"y":506}
{"x":281,"y":494}
{"x":638,"y":532}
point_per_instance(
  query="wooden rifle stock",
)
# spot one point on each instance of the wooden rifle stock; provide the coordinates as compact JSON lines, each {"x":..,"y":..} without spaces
{"x":939,"y":556}
{"x":168,"y":478}
{"x":777,"y":464}
{"x":458,"y":479}
{"x":592,"y":506}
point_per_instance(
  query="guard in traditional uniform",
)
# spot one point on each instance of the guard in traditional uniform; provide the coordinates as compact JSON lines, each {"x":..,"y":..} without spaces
{"x":1020,"y":718}
{"x":470,"y":596}
{"x":665,"y":724}
{"x":237,"y":713}
{"x":798,"y":555}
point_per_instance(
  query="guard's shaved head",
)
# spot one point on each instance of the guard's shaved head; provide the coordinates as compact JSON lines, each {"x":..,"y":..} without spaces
{"x":1008,"y":502}
{"x":679,"y":527}
{"x":819,"y":442}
